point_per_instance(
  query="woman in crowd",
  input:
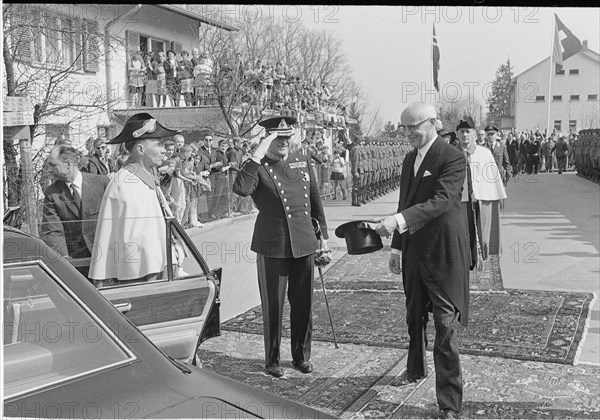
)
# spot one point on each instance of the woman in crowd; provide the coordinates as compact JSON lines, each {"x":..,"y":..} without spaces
{"x":161,"y":80}
{"x":136,"y":79}
{"x":324,"y":166}
{"x":338,"y":169}
{"x":186,"y":78}
{"x":151,"y":81}
{"x":172,"y":77}
{"x":203,"y":186}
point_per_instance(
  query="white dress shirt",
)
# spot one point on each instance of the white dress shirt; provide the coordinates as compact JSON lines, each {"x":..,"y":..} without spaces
{"x":421,"y":153}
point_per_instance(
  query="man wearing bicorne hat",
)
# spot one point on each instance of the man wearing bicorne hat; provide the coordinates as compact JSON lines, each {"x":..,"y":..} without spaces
{"x":130,"y":242}
{"x":286,"y":194}
{"x":487,"y":187}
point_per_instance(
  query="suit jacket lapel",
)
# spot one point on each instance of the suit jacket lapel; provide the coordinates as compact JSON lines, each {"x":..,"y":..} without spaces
{"x":426,"y":163}
{"x":67,"y":198}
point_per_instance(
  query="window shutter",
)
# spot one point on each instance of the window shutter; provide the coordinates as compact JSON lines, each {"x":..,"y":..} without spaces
{"x":77,"y":44}
{"x":177,"y":47}
{"x":91,"y":48}
{"x":133,"y":43}
{"x":21,"y":35}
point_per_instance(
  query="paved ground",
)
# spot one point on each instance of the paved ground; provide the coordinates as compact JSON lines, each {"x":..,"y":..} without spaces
{"x":550,"y":241}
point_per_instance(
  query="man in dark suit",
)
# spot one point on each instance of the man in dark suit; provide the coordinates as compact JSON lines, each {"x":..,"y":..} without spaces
{"x":71,"y":205}
{"x":430,"y":231}
{"x":499,"y":152}
{"x":100,"y":162}
{"x":286,"y":194}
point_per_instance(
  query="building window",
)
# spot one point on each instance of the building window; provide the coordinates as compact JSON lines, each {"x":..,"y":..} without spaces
{"x":103,"y":131}
{"x":557,"y":97}
{"x":574,"y":71}
{"x":57,"y":134}
{"x":540,"y":98}
{"x":574,"y":97}
{"x":592,"y":97}
{"x":557,"y":125}
{"x":56,"y":40}
{"x":559,"y":69}
{"x":572,"y":125}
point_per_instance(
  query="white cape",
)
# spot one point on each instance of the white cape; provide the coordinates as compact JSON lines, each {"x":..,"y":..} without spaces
{"x":487,"y":181}
{"x":130,"y":240}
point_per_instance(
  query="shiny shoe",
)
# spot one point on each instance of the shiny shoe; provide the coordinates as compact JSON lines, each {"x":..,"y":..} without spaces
{"x":276,"y":371}
{"x":406,"y":379}
{"x":304,"y":367}
{"x":449,"y":414}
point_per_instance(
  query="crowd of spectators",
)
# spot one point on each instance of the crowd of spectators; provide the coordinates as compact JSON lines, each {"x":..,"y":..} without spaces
{"x":196,"y":177}
{"x":162,"y":79}
{"x":533,"y":152}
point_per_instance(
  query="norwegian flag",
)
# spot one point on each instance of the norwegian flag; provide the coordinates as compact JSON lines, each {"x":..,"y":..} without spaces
{"x":435,"y":55}
{"x":565,"y":43}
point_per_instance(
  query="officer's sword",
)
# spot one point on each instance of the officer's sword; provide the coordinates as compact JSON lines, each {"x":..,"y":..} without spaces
{"x":318,"y":232}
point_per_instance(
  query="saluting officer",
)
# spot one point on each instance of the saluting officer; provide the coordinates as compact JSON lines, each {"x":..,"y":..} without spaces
{"x":286,"y":194}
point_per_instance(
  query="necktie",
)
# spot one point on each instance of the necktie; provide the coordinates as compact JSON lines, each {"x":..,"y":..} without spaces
{"x":469,"y":178}
{"x":76,"y":197}
{"x":418,"y":160}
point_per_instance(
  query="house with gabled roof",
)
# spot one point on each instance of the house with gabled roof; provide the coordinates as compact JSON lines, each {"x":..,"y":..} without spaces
{"x":573,"y":100}
{"x":71,"y":60}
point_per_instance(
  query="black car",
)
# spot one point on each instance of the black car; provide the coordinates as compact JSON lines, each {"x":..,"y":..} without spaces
{"x":70,"y":353}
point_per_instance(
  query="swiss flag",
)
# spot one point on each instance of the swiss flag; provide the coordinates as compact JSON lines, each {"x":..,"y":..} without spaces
{"x":565,"y":43}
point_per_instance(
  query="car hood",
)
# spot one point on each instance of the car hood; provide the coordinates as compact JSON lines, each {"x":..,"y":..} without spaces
{"x":206,"y":408}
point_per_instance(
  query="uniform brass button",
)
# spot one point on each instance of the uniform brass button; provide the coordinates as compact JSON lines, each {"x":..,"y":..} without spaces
{"x":282,"y":192}
{"x":306,"y":212}
{"x":287,"y":207}
{"x":274,"y":176}
{"x":305,"y":195}
{"x":305,"y":204}
{"x":279,"y":184}
{"x":285,"y":200}
{"x":271,"y":170}
{"x":305,"y":187}
{"x":266,"y":164}
{"x":289,"y":216}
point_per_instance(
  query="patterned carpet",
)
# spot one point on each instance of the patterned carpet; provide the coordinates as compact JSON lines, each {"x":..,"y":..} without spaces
{"x":354,"y":382}
{"x":368,"y":307}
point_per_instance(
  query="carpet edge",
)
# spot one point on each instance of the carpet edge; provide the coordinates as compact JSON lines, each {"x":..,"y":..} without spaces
{"x":585,"y":328}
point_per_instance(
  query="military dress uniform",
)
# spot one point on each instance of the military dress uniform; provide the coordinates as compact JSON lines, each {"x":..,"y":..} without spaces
{"x":287,"y":196}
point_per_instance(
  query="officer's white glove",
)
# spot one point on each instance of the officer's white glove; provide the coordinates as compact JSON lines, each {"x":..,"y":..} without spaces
{"x":263,"y":147}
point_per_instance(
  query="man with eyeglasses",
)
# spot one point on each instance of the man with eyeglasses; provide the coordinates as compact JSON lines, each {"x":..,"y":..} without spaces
{"x":430,"y":232}
{"x":71,"y":204}
{"x":100,"y":162}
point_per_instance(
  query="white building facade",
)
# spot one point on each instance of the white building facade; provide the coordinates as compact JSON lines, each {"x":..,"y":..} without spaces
{"x":573,"y":99}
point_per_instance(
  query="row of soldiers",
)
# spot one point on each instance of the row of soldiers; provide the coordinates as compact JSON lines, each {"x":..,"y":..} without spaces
{"x":376,"y":167}
{"x":586,"y":151}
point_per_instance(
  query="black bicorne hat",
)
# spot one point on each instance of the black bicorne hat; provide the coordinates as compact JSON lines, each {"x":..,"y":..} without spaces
{"x":359,"y":240}
{"x":140,"y":127}
{"x":466,"y":122}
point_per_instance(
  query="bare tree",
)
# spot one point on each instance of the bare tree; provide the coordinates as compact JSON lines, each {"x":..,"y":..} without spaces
{"x":43,"y":51}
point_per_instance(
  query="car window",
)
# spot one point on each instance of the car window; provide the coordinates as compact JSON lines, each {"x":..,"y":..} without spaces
{"x":49,"y":334}
{"x":185,"y":263}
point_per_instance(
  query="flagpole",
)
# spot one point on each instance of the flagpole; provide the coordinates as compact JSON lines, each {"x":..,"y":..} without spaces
{"x":552,"y":39}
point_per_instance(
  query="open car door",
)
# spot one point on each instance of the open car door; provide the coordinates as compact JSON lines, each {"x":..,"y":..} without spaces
{"x":177,"y":312}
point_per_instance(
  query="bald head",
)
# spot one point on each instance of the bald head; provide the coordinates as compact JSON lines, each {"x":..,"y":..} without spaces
{"x":418,"y":122}
{"x":417,"y":112}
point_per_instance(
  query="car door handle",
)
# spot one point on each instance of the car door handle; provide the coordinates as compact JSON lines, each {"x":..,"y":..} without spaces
{"x":123,"y":307}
